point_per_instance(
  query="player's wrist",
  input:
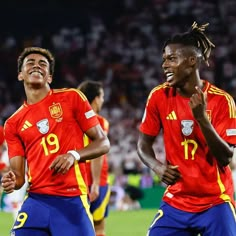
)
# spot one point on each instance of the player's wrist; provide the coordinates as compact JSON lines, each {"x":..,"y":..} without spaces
{"x":75,"y":154}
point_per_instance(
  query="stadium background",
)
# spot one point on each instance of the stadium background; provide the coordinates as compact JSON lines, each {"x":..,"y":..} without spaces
{"x":119,"y":43}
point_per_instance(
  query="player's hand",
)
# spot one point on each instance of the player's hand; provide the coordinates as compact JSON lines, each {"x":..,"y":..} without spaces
{"x":62,"y":163}
{"x":170,"y":175}
{"x":8,"y":182}
{"x":198,"y":104}
{"x":94,"y":192}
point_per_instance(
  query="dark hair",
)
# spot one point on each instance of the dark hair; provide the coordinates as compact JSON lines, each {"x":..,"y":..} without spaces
{"x":194,"y":37}
{"x":36,"y":50}
{"x":91,"y":89}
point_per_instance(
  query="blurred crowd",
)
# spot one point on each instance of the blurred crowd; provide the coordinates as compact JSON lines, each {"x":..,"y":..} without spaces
{"x":123,"y":49}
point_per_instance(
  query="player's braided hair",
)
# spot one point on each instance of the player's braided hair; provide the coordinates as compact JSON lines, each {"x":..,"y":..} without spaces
{"x":194,"y":37}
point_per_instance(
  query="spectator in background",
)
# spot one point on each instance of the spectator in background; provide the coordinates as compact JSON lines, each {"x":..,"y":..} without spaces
{"x":199,"y":127}
{"x":97,"y":169}
{"x":130,"y":199}
{"x":3,"y":166}
{"x":146,"y":180}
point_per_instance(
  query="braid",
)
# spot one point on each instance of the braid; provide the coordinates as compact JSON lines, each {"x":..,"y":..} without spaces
{"x":194,"y":37}
{"x":203,"y":42}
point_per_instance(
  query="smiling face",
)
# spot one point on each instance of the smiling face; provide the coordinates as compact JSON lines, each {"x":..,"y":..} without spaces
{"x":178,"y":64}
{"x":35,"y":71}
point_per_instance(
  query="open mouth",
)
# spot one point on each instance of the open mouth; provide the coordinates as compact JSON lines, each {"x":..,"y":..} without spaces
{"x":36,"y":73}
{"x":169,"y":76}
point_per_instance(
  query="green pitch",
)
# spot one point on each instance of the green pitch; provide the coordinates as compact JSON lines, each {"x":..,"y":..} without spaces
{"x":128,"y":223}
{"x":6,"y":221}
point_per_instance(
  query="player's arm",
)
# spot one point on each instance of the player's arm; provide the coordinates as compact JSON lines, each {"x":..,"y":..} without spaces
{"x":15,"y":178}
{"x":99,"y":146}
{"x":96,"y":167}
{"x":168,"y":174}
{"x":221,"y":150}
{"x":218,"y":147}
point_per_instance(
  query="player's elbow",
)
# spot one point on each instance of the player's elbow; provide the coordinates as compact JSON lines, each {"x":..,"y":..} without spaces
{"x":225,"y":160}
{"x":224,"y":156}
{"x":106,"y":145}
{"x":141,"y":150}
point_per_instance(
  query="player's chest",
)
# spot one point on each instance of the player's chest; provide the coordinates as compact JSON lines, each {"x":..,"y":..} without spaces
{"x":44,"y":119}
{"x":177,"y":116}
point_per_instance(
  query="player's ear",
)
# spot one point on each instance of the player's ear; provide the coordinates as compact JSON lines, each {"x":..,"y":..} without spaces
{"x":49,"y":79}
{"x":192,"y":60}
{"x":20,"y":76}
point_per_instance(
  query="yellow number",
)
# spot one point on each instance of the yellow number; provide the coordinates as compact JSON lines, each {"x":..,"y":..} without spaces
{"x":50,"y":144}
{"x":21,"y":218}
{"x":186,"y":143}
{"x":44,"y":146}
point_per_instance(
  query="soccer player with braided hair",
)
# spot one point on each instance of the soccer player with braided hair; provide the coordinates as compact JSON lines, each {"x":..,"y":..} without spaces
{"x":198,"y":121}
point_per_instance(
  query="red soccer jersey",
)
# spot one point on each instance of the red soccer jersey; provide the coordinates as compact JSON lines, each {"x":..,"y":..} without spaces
{"x":203,"y":182}
{"x":104,"y":171}
{"x":42,"y":131}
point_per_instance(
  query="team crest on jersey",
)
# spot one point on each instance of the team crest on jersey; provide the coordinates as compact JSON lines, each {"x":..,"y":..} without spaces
{"x":56,"y":110}
{"x":187,"y":127}
{"x":43,"y":126}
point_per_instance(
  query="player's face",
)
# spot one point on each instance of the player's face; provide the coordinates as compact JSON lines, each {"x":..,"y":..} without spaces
{"x":35,"y":70}
{"x":100,"y":100}
{"x":176,"y":65}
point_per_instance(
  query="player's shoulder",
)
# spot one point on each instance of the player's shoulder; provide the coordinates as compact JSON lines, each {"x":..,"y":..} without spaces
{"x":220,"y":100}
{"x":100,"y":117}
{"x":69,"y":92}
{"x":103,"y":122}
{"x":213,"y":89}
{"x":16,"y":114}
{"x":160,"y":89}
{"x":219,"y":93}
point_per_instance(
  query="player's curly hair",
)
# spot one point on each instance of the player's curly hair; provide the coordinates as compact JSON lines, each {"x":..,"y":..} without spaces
{"x":36,"y":50}
{"x":194,"y":37}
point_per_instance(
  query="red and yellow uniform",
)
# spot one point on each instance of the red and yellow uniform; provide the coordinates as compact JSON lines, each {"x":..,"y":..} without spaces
{"x":99,"y":207}
{"x":203,"y":183}
{"x":42,"y":131}
{"x":104,"y":171}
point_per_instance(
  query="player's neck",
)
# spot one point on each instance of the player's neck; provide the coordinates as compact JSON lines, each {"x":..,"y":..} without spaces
{"x":190,"y":88}
{"x":94,"y":108}
{"x":36,"y":95}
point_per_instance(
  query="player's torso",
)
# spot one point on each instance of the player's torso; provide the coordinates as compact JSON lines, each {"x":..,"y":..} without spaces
{"x":180,"y":129}
{"x":47,"y":130}
{"x":186,"y":147}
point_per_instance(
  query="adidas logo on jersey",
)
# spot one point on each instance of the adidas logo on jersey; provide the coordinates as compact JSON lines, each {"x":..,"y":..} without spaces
{"x":171,"y":116}
{"x":26,"y":125}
